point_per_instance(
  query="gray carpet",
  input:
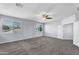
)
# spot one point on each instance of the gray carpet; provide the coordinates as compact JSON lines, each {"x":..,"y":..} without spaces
{"x":39,"y":46}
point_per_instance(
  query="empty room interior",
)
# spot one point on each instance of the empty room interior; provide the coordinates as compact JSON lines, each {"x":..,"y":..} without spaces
{"x":39,"y":29}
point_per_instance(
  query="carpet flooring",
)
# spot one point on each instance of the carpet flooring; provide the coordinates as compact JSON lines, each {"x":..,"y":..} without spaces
{"x":39,"y":46}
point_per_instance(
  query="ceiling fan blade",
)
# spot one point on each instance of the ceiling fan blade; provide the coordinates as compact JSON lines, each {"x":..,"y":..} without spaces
{"x":49,"y":18}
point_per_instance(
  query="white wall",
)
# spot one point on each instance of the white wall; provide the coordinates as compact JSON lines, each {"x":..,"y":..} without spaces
{"x":51,"y":29}
{"x":60,"y":32}
{"x":27,"y":31}
{"x":68,"y":20}
{"x":76,"y":34}
{"x":76,"y":30}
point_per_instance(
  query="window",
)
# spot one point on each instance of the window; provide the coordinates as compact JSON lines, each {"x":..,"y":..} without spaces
{"x":10,"y":25}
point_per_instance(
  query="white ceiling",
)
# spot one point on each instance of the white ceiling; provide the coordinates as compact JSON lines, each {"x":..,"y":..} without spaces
{"x":30,"y":10}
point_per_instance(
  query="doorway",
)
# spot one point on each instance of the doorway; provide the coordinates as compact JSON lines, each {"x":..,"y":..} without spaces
{"x":68,"y":31}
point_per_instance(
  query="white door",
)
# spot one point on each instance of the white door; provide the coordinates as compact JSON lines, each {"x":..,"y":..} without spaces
{"x":68,"y":31}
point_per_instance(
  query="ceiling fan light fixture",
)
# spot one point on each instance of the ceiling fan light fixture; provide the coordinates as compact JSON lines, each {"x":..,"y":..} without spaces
{"x":46,"y":17}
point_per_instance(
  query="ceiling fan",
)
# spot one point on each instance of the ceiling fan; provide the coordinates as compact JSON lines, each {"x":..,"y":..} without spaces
{"x":45,"y":16}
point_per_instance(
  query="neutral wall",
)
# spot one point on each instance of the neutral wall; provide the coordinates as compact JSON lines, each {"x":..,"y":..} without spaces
{"x":76,"y":34}
{"x":51,"y":29}
{"x":27,"y":31}
{"x":76,"y":30}
{"x":60,"y":32}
